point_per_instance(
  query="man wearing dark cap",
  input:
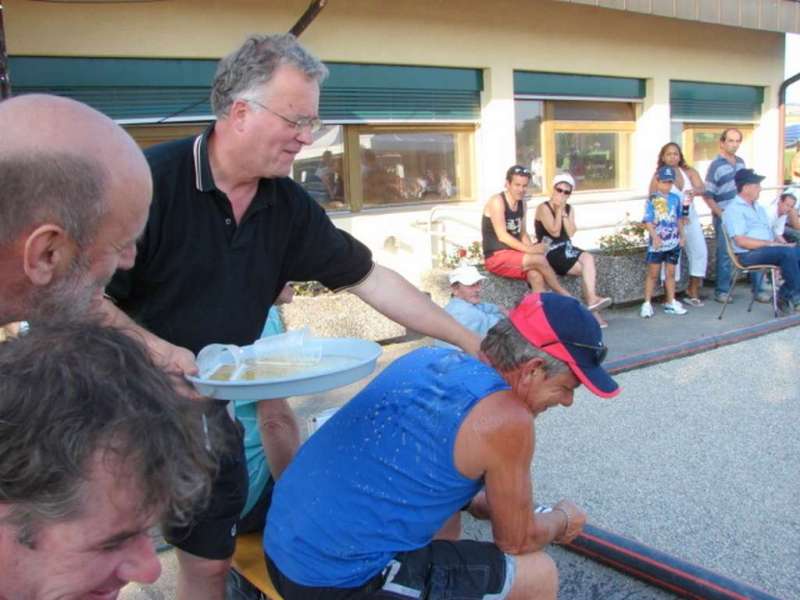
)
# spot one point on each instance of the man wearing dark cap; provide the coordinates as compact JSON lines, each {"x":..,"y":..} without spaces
{"x":754,"y":241}
{"x":370,"y":505}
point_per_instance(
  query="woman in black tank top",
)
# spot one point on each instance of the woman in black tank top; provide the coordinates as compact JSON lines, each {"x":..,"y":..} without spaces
{"x":555,"y":223}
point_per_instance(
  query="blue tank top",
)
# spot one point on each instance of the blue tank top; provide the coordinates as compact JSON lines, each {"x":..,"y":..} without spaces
{"x":378,"y":478}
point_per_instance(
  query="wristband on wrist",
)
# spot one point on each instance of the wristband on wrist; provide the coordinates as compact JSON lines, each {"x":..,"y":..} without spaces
{"x":566,"y":525}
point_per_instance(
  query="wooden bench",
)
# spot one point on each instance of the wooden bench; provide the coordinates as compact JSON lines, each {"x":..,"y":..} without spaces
{"x":248,"y":561}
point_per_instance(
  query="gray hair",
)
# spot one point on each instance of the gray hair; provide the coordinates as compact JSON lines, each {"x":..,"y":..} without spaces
{"x":72,"y":393}
{"x":253,"y":65}
{"x":52,"y":187}
{"x":506,"y":350}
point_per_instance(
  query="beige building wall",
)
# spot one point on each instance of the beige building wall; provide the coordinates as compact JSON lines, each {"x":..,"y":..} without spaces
{"x":497,"y":37}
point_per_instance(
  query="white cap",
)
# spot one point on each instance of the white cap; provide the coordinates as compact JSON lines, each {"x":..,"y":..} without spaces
{"x":564,"y":178}
{"x":466,"y":274}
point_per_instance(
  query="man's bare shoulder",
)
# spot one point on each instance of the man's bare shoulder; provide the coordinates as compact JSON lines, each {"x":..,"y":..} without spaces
{"x":500,"y":416}
{"x":498,"y":427}
{"x":495,"y":203}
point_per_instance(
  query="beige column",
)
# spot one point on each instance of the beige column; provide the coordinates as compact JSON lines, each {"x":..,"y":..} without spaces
{"x":495,"y":137}
{"x":652,"y":132}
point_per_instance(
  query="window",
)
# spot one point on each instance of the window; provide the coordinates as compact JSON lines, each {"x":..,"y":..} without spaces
{"x":150,"y":135}
{"x":528,"y":117}
{"x":366,"y":166}
{"x":319,"y":168}
{"x":590,"y":139}
{"x":412,"y":165}
{"x":700,"y":144}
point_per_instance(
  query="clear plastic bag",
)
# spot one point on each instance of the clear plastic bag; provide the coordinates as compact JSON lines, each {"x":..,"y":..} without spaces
{"x":272,"y":357}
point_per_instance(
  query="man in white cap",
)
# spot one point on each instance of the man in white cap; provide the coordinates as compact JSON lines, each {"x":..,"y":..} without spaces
{"x":465,"y":305}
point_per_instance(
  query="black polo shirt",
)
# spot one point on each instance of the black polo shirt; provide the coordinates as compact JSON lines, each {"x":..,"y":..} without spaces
{"x":201,"y":279}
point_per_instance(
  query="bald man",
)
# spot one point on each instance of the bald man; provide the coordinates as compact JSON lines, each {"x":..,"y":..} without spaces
{"x":75,"y":196}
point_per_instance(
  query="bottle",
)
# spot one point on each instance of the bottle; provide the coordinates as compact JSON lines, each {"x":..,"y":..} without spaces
{"x":688,"y":196}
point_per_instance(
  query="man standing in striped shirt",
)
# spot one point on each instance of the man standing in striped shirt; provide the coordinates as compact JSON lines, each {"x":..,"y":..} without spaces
{"x":720,"y":190}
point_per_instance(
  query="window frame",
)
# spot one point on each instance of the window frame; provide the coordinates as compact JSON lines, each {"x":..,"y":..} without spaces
{"x":465,"y":161}
{"x":690,"y":128}
{"x":550,"y":127}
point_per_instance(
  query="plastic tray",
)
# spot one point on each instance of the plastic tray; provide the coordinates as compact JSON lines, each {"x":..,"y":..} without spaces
{"x":363,"y":355}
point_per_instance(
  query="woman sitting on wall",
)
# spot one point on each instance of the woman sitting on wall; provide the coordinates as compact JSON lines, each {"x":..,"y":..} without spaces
{"x":687,"y":185}
{"x":554,"y":225}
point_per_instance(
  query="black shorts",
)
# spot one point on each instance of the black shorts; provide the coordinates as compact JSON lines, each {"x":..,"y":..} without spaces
{"x":212,"y":532}
{"x":562,"y":256}
{"x":466,"y":569}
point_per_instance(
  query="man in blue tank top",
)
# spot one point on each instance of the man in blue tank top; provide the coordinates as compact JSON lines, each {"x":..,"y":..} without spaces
{"x":370,"y":505}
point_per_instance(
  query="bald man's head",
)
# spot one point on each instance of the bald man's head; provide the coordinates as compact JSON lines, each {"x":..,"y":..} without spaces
{"x":72,"y":180}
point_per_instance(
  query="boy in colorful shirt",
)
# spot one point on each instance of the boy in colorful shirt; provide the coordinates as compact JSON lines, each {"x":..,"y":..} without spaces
{"x":662,"y":218}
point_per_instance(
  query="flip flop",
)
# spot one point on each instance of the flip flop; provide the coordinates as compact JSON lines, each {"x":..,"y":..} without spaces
{"x":600,"y":304}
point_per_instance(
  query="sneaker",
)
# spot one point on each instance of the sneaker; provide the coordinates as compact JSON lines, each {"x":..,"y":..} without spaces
{"x":647,"y":310}
{"x":675,"y":308}
{"x":696,"y":302}
{"x":763,"y":297}
{"x":722,"y":298}
{"x":785,"y":306}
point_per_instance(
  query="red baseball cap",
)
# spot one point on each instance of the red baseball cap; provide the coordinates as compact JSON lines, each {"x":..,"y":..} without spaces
{"x":566,"y":330}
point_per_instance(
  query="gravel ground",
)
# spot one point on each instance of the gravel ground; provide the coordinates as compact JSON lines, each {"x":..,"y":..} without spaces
{"x":694,"y":458}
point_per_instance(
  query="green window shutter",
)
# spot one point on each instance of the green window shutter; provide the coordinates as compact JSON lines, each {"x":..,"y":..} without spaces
{"x":360,"y":93}
{"x":692,"y":101}
{"x":122,"y":88}
{"x":157,"y":89}
{"x":585,"y":86}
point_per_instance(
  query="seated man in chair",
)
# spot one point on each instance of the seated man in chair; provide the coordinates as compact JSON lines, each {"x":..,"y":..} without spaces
{"x":358,"y":510}
{"x":754,"y":241}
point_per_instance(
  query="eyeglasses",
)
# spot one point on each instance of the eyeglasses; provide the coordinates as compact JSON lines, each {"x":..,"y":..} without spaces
{"x":562,"y":191}
{"x":520,"y":171}
{"x":600,"y":352}
{"x":313,"y":124}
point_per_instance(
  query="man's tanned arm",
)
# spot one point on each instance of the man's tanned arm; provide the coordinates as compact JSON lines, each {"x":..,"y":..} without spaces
{"x":394,"y":297}
{"x":506,"y":443}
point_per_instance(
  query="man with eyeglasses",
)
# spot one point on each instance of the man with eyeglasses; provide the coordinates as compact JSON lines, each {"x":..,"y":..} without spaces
{"x":370,"y":507}
{"x":227,"y":229}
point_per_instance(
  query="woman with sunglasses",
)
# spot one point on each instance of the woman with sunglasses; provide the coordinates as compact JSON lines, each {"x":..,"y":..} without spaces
{"x":554,"y":224}
{"x":688,"y":184}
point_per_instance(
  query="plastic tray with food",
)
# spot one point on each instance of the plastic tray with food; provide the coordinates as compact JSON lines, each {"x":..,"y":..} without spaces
{"x":291,"y":364}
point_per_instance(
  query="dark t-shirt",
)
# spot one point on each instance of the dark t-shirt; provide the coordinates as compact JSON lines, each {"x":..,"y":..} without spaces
{"x":199,"y":278}
{"x":513,"y":218}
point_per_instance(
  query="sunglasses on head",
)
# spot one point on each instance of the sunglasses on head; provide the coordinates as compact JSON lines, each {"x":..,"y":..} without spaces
{"x":520,"y":171}
{"x":599,"y":352}
{"x":564,"y":191}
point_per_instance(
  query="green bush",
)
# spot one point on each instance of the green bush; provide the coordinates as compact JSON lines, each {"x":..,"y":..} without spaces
{"x":629,"y":238}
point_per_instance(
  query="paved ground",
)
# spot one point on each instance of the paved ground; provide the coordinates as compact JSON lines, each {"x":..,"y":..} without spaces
{"x":693,"y":458}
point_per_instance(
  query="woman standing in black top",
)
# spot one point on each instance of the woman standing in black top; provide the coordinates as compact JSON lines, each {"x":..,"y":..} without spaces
{"x":507,"y":249}
{"x":555,"y":223}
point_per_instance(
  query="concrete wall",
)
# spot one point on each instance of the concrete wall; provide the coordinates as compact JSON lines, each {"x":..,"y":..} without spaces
{"x":498,"y":37}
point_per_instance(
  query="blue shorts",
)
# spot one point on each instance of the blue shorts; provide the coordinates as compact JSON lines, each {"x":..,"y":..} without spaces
{"x":668,"y":256}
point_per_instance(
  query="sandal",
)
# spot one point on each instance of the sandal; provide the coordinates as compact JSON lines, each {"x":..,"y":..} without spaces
{"x":600,"y":304}
{"x":696,"y":302}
